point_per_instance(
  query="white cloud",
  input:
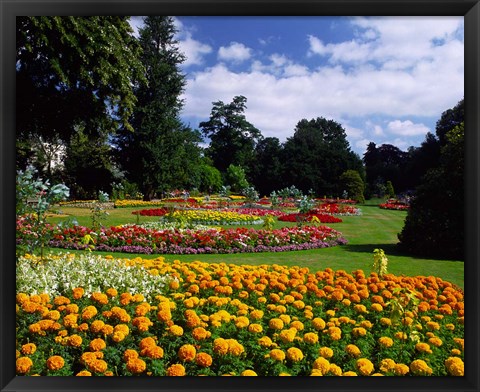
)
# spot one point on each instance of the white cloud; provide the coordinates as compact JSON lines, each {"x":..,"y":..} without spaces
{"x":194,"y":50}
{"x":407,"y":128}
{"x":236,"y":52}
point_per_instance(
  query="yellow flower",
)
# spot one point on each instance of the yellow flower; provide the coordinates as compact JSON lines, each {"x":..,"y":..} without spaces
{"x":234,"y":347}
{"x":423,"y":348}
{"x":248,"y":372}
{"x":401,"y":369}
{"x":335,"y":333}
{"x":435,"y":341}
{"x":276,"y":323}
{"x":387,"y":365}
{"x":287,"y":335}
{"x":220,"y":346}
{"x":352,"y":350}
{"x":97,"y":326}
{"x":349,"y":374}
{"x":455,"y":366}
{"x":55,"y":362}
{"x":326,"y":352}
{"x":322,"y":364}
{"x":23,"y":365}
{"x":98,"y":366}
{"x":83,"y":373}
{"x":294,"y":354}
{"x":187,"y":352}
{"x":176,"y":370}
{"x":277,"y":355}
{"x":255,"y":328}
{"x":176,"y":330}
{"x":298,"y":325}
{"x":154,"y":352}
{"x":385,"y":341}
{"x":256,"y":314}
{"x":129,"y":354}
{"x":318,"y":323}
{"x":242,"y":322}
{"x":118,"y":336}
{"x":335,"y":370}
{"x":359,"y":331}
{"x":97,"y":344}
{"x":265,"y":341}
{"x":75,"y":340}
{"x":364,"y":366}
{"x":420,"y":368}
{"x":310,"y":338}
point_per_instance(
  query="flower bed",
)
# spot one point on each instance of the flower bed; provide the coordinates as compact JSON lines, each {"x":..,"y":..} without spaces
{"x":248,"y":211}
{"x":394,"y":206}
{"x":137,"y":239}
{"x":213,"y":217}
{"x":338,"y":209}
{"x":219,"y":319}
{"x":297,"y":217}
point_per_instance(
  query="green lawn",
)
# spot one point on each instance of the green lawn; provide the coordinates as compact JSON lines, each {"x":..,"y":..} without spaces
{"x":375,"y":228}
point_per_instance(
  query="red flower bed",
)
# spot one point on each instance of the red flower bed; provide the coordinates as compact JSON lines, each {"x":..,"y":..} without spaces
{"x":324,"y":218}
{"x":394,"y":206}
{"x":151,"y":212}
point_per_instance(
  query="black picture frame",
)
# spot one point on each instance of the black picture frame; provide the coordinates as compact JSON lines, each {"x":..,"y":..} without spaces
{"x":9,"y":9}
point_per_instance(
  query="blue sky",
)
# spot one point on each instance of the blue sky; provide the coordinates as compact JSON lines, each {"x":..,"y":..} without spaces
{"x":384,"y":79}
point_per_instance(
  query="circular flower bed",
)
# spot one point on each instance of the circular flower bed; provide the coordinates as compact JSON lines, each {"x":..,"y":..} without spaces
{"x":219,"y":319}
{"x":137,"y":239}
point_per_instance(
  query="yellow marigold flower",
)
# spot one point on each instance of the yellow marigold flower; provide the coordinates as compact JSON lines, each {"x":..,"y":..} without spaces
{"x":360,"y":308}
{"x":255,"y":328}
{"x":53,"y":315}
{"x":366,"y":324}
{"x":385,"y":321}
{"x":387,"y":365}
{"x":55,"y":362}
{"x":310,"y":338}
{"x":88,"y":357}
{"x":420,"y":368}
{"x":456,"y":351}
{"x":98,"y":366}
{"x":83,"y":373}
{"x":353,"y":350}
{"x":294,"y":354}
{"x":111,"y":292}
{"x":401,"y":369}
{"x":287,"y":335}
{"x":349,"y":374}
{"x":335,"y":370}
{"x":122,"y":328}
{"x":359,"y":331}
{"x":423,"y":348}
{"x":318,"y":323}
{"x":101,"y":298}
{"x":29,"y":349}
{"x":147,"y":342}
{"x":335,"y":333}
{"x":75,"y":340}
{"x":376,"y":307}
{"x":256,"y":314}
{"x":78,"y":292}
{"x":321,"y":364}
{"x":22,"y":298}
{"x":242,"y":322}
{"x":107,"y":330}
{"x":298,"y":304}
{"x":118,"y":336}
{"x":435,"y":341}
{"x":326,"y":352}
{"x":365,"y":366}
{"x":450,"y":326}
{"x":187,"y":352}
{"x":455,"y":366}
{"x":71,"y":308}
{"x":385,"y":341}
{"x":401,"y":335}
{"x":203,"y":360}
{"x":97,"y":344}
{"x":129,"y":354}
{"x":142,"y":309}
{"x":23,"y":365}
{"x":176,"y":330}
{"x":298,"y":325}
{"x":174,"y":285}
{"x":276,"y":323}
{"x":277,"y":355}
{"x":136,"y":365}
{"x":176,"y":370}
{"x":248,"y":372}
{"x":265,"y":341}
{"x":433,"y":326}
{"x":89,"y":312}
{"x":234,"y":347}
{"x":138,"y":298}
{"x":285,"y":318}
{"x":220,"y":346}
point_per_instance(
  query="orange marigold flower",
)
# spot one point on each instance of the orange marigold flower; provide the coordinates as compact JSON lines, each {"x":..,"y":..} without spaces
{"x":97,"y":344}
{"x":322,"y":365}
{"x":359,"y":331}
{"x":176,"y":370}
{"x":318,"y":323}
{"x":23,"y":365}
{"x":129,"y":354}
{"x":255,"y":328}
{"x":154,"y":352}
{"x":287,"y":335}
{"x":147,"y":342}
{"x":248,"y":372}
{"x":310,"y":338}
{"x":176,"y":330}
{"x":29,"y":349}
{"x":349,"y":374}
{"x":78,"y":292}
{"x":365,"y":366}
{"x":88,"y":357}
{"x":187,"y":352}
{"x":276,"y":323}
{"x":97,"y":326}
{"x":265,"y":341}
{"x":420,"y":368}
{"x":335,"y":333}
{"x":89,"y":312}
{"x":401,"y":369}
{"x":326,"y":352}
{"x":387,"y":365}
{"x":423,"y":348}
{"x":203,"y":359}
{"x":234,"y":347}
{"x":83,"y":373}
{"x":55,"y":362}
{"x":98,"y":366}
{"x":136,"y":365}
{"x":220,"y":346}
{"x":75,"y":341}
{"x":111,"y":292}
{"x":242,"y":322}
{"x":435,"y":341}
{"x":101,"y":298}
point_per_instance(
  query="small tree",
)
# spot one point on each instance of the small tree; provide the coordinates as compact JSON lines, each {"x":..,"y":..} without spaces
{"x":390,"y":191}
{"x":352,"y":182}
{"x":236,"y":178}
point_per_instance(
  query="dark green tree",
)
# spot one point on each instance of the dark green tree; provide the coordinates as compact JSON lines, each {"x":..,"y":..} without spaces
{"x":236,"y":178}
{"x":316,"y":155}
{"x":266,"y":171}
{"x":71,"y":71}
{"x":434,"y":226}
{"x":232,"y":137}
{"x":351,"y":182}
{"x":161,"y":153}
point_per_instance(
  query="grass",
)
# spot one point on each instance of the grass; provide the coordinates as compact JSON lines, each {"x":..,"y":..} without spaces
{"x":376,"y":228}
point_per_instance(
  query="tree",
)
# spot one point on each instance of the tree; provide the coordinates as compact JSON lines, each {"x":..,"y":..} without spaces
{"x":71,"y":71}
{"x":232,"y":137}
{"x":266,"y":171}
{"x":434,"y":226}
{"x":316,"y":155}
{"x":236,"y":178}
{"x":351,"y":182}
{"x":161,"y":153}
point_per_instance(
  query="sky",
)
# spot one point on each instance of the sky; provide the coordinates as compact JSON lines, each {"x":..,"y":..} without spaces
{"x":386,"y":80}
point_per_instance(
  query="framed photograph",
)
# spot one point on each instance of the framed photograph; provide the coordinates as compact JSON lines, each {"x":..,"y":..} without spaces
{"x":187,"y":130}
